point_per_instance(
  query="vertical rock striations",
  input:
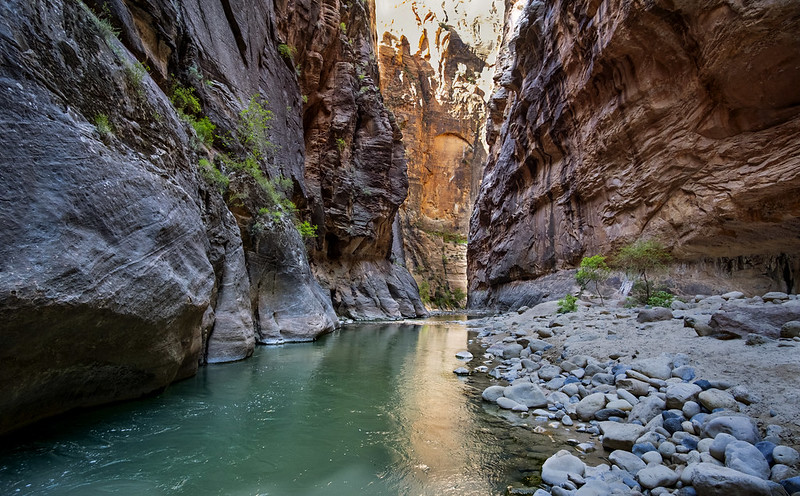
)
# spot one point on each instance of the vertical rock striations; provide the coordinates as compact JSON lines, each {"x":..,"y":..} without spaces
{"x":137,"y":241}
{"x":618,"y":120}
{"x":437,"y":92}
{"x":355,"y":169}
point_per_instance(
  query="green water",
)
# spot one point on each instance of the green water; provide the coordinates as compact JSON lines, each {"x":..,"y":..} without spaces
{"x":372,"y":410}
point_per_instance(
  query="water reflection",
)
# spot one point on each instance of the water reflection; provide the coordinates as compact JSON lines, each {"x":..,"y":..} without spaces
{"x":374,"y":409}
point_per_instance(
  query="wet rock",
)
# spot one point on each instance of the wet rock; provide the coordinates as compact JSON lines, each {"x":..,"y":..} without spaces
{"x":461,"y":371}
{"x":509,"y":404}
{"x":557,"y":468}
{"x":492,"y":393}
{"x":464,"y":355}
{"x":527,"y":394}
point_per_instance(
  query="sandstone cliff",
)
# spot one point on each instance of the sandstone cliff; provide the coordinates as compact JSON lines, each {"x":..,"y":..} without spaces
{"x":135,"y":242}
{"x":618,"y":120}
{"x":436,"y":82}
{"x":355,"y":167}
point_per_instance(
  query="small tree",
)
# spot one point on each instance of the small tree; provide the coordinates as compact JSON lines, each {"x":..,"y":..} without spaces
{"x":593,"y":270}
{"x":643,"y":258}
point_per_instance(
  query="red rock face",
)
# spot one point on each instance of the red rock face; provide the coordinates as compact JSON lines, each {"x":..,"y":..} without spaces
{"x":355,"y":168}
{"x":442,"y":113}
{"x":619,"y":120}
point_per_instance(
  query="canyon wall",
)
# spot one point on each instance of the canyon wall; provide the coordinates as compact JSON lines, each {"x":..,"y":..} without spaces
{"x":620,"y":120}
{"x":436,"y":65}
{"x":137,"y":241}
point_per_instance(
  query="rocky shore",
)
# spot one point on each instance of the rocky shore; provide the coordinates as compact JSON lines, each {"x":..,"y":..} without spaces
{"x":657,"y":401}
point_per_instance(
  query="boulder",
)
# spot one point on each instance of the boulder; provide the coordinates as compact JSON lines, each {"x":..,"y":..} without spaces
{"x":657,"y":367}
{"x":527,"y":394}
{"x":717,"y":398}
{"x":491,"y":393}
{"x":557,"y":468}
{"x":785,"y":455}
{"x":739,"y":426}
{"x":657,"y":476}
{"x":549,"y":372}
{"x":766,"y":320}
{"x":679,"y":394}
{"x":621,"y":436}
{"x":588,"y":406}
{"x":647,"y":409}
{"x":654,"y":315}
{"x":508,"y":403}
{"x":627,"y":461}
{"x":712,"y":480}
{"x":790,"y":329}
{"x":746,"y":458}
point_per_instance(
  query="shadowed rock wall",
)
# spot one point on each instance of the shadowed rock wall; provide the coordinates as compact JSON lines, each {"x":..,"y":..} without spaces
{"x":355,"y":167}
{"x":618,"y":120}
{"x":124,"y":261}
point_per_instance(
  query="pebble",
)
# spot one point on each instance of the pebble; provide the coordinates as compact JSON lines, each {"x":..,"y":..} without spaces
{"x":786,"y":455}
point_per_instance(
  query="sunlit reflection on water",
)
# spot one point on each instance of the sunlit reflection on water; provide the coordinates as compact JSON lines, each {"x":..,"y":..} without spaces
{"x":374,"y":409}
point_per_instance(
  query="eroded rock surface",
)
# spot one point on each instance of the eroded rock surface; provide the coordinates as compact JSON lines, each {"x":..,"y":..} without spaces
{"x":125,"y":260}
{"x":620,"y":120}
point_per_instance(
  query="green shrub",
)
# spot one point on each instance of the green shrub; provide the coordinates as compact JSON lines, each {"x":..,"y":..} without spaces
{"x":214,"y":176}
{"x":343,"y":27}
{"x":568,"y":303}
{"x":287,"y":51}
{"x":204,"y":129}
{"x":643,"y":258}
{"x":307,"y":229}
{"x":254,"y":127}
{"x":593,"y":270}
{"x":102,"y":22}
{"x":425,"y":292}
{"x":102,"y":125}
{"x":661,"y":299}
{"x":340,"y":144}
{"x":135,"y":73}
{"x":184,"y":100}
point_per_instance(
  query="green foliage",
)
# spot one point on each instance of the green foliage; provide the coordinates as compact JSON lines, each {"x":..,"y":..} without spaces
{"x":204,"y":129}
{"x":102,"y":22}
{"x":254,"y":127}
{"x":214,"y":176}
{"x":425,"y":292}
{"x":661,"y":299}
{"x":305,"y":98}
{"x":593,"y":270}
{"x":343,"y":27}
{"x":567,"y":304}
{"x":135,"y":73}
{"x":287,"y":51}
{"x":194,"y":73}
{"x":643,"y":258}
{"x":184,"y":100}
{"x":102,"y":125}
{"x":307,"y":229}
{"x":340,"y":144}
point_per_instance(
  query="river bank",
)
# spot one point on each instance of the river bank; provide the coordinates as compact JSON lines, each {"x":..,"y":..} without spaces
{"x":582,"y":371}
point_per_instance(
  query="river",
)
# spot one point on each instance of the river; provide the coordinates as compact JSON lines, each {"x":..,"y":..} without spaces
{"x":373,"y":409}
